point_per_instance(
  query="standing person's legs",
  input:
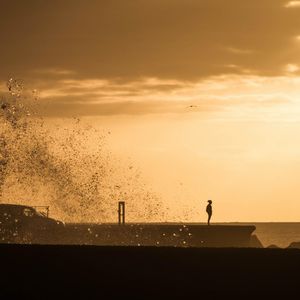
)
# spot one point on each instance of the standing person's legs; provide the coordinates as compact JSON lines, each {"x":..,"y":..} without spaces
{"x":208,"y":221}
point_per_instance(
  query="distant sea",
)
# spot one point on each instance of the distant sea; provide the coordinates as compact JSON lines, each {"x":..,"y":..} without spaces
{"x":279,"y":234}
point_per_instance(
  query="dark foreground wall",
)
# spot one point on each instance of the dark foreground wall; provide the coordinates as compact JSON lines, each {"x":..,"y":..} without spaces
{"x":90,"y":272}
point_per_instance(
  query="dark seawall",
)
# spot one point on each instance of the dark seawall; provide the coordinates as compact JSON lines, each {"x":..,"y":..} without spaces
{"x":56,"y":272}
{"x":158,"y":234}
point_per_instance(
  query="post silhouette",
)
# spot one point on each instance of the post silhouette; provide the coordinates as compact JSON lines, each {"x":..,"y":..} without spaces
{"x":121,"y":212}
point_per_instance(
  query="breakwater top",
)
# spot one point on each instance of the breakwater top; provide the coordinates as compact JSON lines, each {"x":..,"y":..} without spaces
{"x":158,"y":234}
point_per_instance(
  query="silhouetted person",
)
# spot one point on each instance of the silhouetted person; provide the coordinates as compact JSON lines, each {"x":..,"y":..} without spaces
{"x":209,"y":210}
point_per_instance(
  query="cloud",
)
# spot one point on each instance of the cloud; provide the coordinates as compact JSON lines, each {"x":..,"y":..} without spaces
{"x":55,"y":71}
{"x":239,"y":51}
{"x":67,"y":109}
{"x":292,"y":4}
{"x":292,"y":68}
{"x":66,"y":97}
{"x":176,"y":39}
{"x":3,"y":87}
{"x":109,"y":89}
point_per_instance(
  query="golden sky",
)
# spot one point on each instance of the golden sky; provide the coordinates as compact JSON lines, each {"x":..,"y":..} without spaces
{"x":204,"y":95}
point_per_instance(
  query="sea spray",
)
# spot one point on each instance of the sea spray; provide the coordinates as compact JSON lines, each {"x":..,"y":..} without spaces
{"x":40,"y":165}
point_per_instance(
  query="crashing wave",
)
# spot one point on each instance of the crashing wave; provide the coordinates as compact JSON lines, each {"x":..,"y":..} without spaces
{"x":42,"y":166}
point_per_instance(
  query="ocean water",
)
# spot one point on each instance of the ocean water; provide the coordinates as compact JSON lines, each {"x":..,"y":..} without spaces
{"x":279,"y":234}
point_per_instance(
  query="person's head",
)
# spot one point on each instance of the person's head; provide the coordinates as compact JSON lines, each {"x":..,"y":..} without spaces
{"x":209,"y":201}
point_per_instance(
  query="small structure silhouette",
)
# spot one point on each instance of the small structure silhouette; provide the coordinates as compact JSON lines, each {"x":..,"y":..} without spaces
{"x":121,"y":212}
{"x":209,"y":211}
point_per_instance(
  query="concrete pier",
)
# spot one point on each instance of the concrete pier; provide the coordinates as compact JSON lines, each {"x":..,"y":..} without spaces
{"x":158,"y":234}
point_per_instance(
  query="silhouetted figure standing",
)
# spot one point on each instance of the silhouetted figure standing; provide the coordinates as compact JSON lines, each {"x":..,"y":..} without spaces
{"x":209,"y":211}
